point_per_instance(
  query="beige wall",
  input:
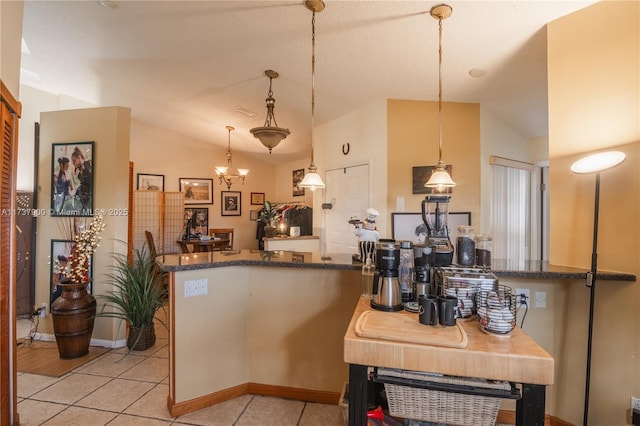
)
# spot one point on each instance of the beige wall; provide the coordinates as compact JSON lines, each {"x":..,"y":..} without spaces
{"x":10,"y":44}
{"x":413,"y":141}
{"x":109,"y":129}
{"x":594,"y":104}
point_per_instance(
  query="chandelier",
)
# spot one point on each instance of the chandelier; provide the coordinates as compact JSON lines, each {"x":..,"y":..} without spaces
{"x":312,"y":180}
{"x":440,"y":179}
{"x":225,"y":173}
{"x":269,"y":135}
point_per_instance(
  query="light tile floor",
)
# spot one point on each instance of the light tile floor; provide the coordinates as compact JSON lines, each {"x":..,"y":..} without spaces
{"x":131,"y":389}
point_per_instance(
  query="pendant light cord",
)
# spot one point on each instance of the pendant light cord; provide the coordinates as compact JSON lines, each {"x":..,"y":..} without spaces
{"x":312,"y":166}
{"x":440,"y":90}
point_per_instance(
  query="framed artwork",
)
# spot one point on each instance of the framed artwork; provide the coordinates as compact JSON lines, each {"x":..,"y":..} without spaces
{"x":60,"y":265}
{"x":231,"y":203}
{"x":72,"y":167}
{"x":257,"y":198}
{"x":150,"y":182}
{"x":199,"y":218}
{"x":411,"y":227}
{"x":253,"y":215}
{"x":298,"y":175}
{"x":421,"y":175}
{"x":196,"y":190}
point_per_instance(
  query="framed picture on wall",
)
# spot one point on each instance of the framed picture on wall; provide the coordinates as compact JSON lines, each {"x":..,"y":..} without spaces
{"x":196,"y":190}
{"x":257,"y":198}
{"x":199,"y":218}
{"x":411,"y":227}
{"x":421,"y":175}
{"x":149,"y":182}
{"x":72,"y":168}
{"x":60,"y":266}
{"x":253,"y":215}
{"x":231,"y":203}
{"x":298,"y":175}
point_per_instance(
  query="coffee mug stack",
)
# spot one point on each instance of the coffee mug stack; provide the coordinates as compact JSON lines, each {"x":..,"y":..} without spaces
{"x":434,"y":310}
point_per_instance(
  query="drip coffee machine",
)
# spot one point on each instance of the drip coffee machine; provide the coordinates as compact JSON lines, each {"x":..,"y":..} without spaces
{"x":435,"y":214}
{"x":386,"y":294}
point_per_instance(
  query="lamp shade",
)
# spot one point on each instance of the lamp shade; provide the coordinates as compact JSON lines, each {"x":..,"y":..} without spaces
{"x":598,"y":162}
{"x":270,"y":136}
{"x":440,"y":179}
{"x":312,"y":181}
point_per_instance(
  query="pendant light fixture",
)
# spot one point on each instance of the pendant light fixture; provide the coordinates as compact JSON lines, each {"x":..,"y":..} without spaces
{"x":269,"y":135}
{"x":225,"y":173}
{"x":312,"y":179}
{"x":440,"y":178}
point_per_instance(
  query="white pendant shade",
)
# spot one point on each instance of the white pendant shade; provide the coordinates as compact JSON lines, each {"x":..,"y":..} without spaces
{"x":313,"y":181}
{"x":598,"y":162}
{"x":440,"y":179}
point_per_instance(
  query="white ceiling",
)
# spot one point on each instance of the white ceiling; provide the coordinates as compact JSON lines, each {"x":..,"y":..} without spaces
{"x":187,"y":65}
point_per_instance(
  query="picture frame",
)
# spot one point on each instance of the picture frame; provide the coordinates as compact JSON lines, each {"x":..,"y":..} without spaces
{"x":149,"y":182}
{"x":72,"y":170}
{"x":59,"y":266}
{"x":421,"y":174}
{"x":257,"y":198}
{"x":231,"y":203}
{"x":298,"y":175}
{"x":197,"y":190}
{"x":411,"y":227}
{"x":253,"y":215}
{"x":199,"y":218}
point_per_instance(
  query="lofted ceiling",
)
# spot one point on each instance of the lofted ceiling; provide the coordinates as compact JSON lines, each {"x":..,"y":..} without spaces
{"x":192,"y":65}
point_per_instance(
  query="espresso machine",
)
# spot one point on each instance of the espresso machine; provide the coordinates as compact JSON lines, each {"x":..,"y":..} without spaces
{"x":386,"y":294}
{"x":435,"y":214}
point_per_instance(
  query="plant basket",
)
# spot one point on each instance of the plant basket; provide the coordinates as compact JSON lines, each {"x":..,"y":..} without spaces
{"x":141,"y":338}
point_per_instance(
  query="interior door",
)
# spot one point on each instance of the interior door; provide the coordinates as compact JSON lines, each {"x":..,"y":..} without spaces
{"x":348,"y":192}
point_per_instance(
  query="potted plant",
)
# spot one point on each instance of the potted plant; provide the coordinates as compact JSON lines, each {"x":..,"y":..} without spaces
{"x":269,"y":215}
{"x":137,"y":296}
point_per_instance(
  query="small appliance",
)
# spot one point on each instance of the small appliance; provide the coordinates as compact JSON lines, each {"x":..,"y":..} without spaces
{"x":424,"y":259}
{"x":386,"y":294}
{"x":435,"y":214}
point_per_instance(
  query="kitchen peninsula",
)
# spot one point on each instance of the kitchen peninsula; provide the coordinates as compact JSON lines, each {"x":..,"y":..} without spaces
{"x":267,"y":322}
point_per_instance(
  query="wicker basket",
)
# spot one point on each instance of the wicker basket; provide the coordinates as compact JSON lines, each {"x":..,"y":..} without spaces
{"x":437,"y":406}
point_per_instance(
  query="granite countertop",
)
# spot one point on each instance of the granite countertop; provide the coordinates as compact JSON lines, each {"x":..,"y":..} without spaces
{"x":293,"y":259}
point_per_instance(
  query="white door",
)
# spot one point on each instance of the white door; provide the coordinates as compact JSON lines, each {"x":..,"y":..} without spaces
{"x":348,"y":191}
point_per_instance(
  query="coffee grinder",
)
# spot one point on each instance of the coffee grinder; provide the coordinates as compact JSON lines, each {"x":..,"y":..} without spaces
{"x":424,"y":259}
{"x":435,"y":214}
{"x":386,"y":294}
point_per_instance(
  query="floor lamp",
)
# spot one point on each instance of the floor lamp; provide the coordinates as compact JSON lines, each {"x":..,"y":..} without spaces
{"x":594,"y":163}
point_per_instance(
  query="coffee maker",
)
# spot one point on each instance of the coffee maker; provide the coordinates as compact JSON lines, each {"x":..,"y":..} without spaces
{"x":386,"y":295}
{"x":435,"y":214}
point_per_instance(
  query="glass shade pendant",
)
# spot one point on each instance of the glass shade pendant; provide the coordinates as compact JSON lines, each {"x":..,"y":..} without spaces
{"x":312,"y":179}
{"x":270,"y":135}
{"x":440,"y":178}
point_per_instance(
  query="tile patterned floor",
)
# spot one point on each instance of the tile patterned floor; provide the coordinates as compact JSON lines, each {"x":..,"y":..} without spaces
{"x":120,"y":389}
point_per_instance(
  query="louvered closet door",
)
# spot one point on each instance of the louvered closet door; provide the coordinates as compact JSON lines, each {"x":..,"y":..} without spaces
{"x":7,"y":295}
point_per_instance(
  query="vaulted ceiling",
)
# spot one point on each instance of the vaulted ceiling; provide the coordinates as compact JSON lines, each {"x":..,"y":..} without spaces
{"x":197,"y":66}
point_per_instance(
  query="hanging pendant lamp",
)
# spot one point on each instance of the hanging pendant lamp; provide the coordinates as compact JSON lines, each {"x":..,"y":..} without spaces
{"x":269,"y":135}
{"x":440,"y":178}
{"x":312,"y":179}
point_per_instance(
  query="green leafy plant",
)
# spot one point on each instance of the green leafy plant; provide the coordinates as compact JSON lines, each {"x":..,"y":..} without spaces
{"x":269,"y":214}
{"x":138,"y":293}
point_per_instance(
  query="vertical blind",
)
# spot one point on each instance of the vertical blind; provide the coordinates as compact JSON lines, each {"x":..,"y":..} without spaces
{"x":510,"y":210}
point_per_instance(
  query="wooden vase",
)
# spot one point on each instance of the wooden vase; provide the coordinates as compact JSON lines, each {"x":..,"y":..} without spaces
{"x":73,"y":317}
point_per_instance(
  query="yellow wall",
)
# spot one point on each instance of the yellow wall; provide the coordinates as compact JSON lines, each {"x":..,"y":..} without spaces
{"x":109,"y":129}
{"x":594,"y":104}
{"x":413,"y":141}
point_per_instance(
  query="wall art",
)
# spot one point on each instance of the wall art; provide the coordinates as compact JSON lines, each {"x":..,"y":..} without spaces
{"x":197,"y":190}
{"x":231,"y":204}
{"x":72,"y":191}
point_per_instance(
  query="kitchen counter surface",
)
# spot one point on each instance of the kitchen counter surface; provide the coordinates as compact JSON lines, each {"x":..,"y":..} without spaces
{"x":293,"y":259}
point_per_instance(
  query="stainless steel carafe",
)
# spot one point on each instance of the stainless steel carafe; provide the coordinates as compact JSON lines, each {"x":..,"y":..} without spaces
{"x":386,"y":291}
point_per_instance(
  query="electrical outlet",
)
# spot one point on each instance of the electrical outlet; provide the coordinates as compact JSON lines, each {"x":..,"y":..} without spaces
{"x":523,"y":291}
{"x":635,"y":403}
{"x":541,"y":299}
